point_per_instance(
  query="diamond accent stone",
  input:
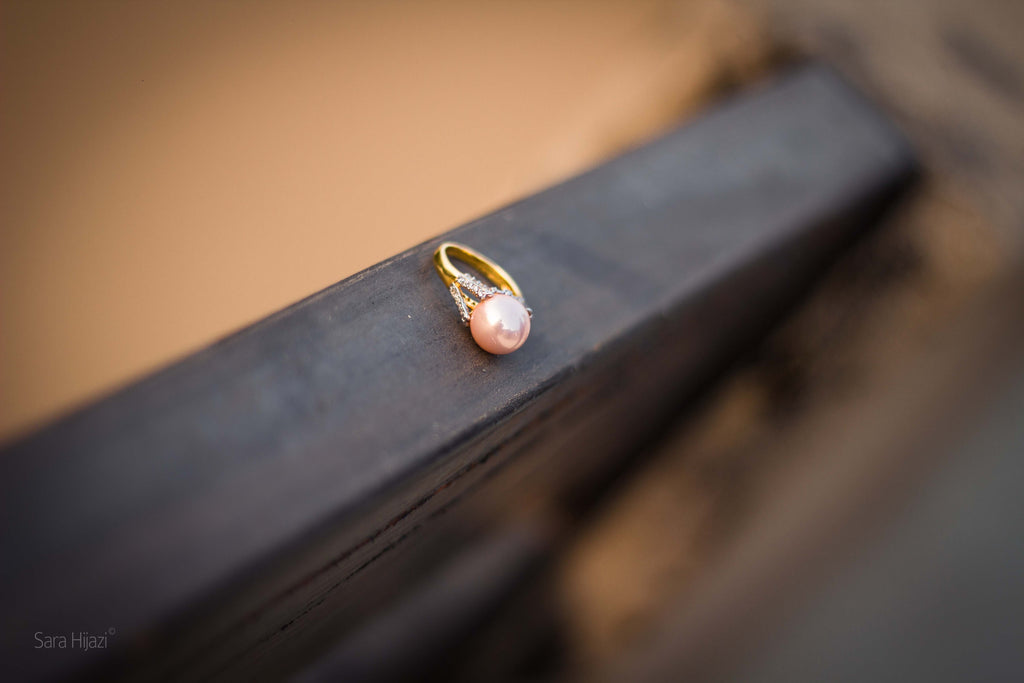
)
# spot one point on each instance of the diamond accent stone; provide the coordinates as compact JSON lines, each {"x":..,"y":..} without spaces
{"x":460,"y":302}
{"x":475,"y":287}
{"x":479,"y":290}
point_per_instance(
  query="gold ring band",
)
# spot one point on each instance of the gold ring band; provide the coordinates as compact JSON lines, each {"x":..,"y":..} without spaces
{"x":487,"y":267}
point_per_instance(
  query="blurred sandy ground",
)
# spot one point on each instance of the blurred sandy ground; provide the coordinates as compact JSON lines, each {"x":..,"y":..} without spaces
{"x":174,"y":171}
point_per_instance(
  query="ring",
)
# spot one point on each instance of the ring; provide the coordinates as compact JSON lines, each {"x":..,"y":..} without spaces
{"x":496,"y":314}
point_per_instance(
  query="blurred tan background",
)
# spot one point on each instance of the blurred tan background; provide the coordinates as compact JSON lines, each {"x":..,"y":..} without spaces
{"x":172,"y":172}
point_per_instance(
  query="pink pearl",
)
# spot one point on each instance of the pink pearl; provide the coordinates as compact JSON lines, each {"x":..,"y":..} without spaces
{"x":500,"y":324}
